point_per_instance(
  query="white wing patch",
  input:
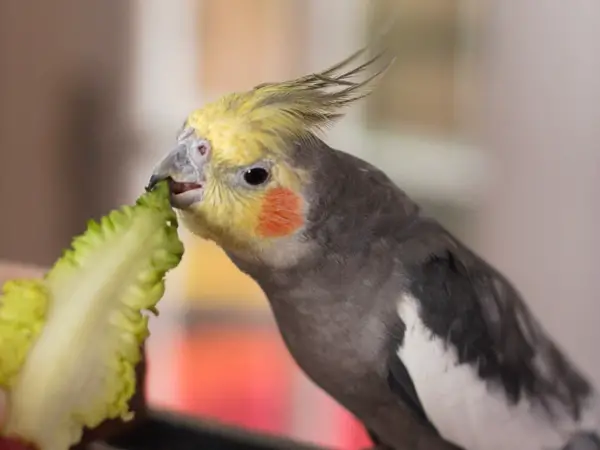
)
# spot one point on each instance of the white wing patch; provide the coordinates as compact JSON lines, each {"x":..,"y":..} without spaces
{"x":464,"y":409}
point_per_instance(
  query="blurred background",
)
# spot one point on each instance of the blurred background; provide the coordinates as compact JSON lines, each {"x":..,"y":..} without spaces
{"x":490,"y":118}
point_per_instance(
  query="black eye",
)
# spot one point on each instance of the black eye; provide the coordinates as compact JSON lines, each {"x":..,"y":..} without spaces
{"x":256,"y":176}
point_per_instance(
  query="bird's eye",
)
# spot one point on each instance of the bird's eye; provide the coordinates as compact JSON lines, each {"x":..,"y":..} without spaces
{"x":256,"y":176}
{"x":202,"y":149}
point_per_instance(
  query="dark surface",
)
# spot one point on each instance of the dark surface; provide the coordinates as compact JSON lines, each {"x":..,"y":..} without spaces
{"x":162,"y":431}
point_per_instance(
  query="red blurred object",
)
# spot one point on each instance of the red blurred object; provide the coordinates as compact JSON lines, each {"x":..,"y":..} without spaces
{"x":242,"y":375}
{"x":239,"y":376}
{"x":353,"y":435}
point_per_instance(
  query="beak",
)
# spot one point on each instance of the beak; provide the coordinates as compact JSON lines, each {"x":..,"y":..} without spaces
{"x":154,"y":180}
{"x":184,"y":173}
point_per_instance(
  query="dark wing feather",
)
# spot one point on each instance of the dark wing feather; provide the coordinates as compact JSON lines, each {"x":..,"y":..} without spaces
{"x":477,"y":310}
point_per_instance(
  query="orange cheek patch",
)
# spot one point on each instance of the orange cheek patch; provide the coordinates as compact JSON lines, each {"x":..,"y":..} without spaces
{"x":280,"y":214}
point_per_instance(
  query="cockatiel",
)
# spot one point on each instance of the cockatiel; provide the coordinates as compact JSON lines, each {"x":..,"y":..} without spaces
{"x":423,"y":341}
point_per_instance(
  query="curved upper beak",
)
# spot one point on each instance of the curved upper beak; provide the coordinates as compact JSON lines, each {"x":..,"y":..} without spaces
{"x":171,"y":166}
{"x":184,"y":174}
{"x":154,"y":180}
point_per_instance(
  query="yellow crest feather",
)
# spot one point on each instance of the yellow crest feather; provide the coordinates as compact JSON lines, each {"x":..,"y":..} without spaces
{"x":257,"y":121}
{"x":316,"y":100}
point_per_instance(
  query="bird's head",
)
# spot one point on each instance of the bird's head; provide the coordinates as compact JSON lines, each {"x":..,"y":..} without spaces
{"x":234,"y":173}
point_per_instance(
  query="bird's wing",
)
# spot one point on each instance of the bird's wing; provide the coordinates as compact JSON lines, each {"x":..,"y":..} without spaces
{"x":470,"y":310}
{"x":477,"y":311}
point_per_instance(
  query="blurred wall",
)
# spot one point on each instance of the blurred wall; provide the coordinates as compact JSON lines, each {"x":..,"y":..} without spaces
{"x":63,"y":119}
{"x":541,"y":125}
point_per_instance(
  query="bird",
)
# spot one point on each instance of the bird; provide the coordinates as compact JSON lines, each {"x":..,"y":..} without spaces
{"x":427,"y":344}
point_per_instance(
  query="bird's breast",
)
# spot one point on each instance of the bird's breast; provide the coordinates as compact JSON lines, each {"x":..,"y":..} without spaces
{"x":333,"y":349}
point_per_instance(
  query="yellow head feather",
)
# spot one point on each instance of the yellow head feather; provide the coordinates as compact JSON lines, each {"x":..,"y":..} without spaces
{"x":263,"y":123}
{"x":247,"y":126}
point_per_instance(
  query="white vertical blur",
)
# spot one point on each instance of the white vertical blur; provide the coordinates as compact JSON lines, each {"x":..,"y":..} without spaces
{"x":164,"y":82}
{"x":337,"y":28}
{"x":542,"y":126}
{"x":167,"y":59}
